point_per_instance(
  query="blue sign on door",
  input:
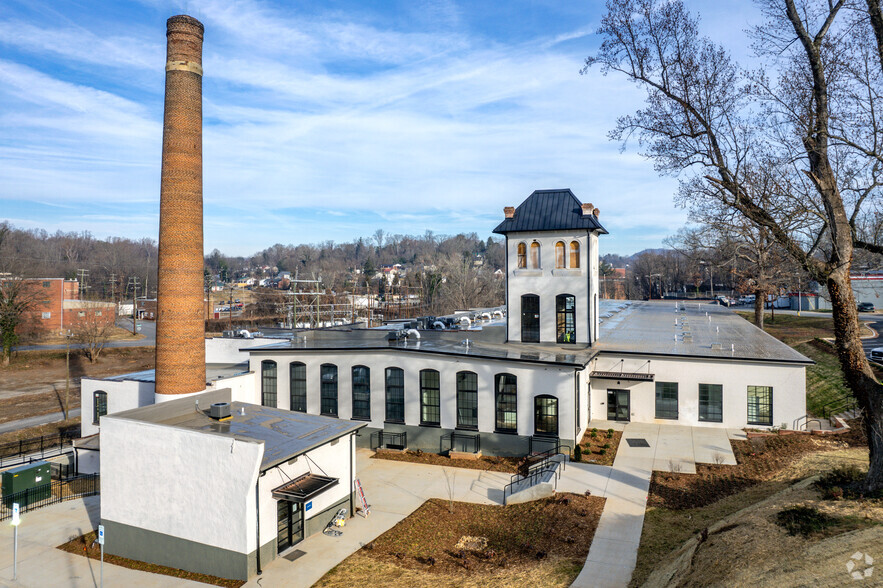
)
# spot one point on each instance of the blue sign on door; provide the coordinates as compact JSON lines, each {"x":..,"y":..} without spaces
{"x":308,"y":506}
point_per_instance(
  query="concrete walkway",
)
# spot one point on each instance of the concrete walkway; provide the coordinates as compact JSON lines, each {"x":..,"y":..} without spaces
{"x":614,"y":549}
{"x":40,"y":564}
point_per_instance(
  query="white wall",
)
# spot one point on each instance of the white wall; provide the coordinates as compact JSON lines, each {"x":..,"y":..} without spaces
{"x":88,"y":461}
{"x":193,"y":485}
{"x":533,"y":380}
{"x":788,"y":383}
{"x":227,"y":349}
{"x":547,"y":282}
{"x":242,"y":386}
{"x":334,"y":461}
{"x":123,"y":395}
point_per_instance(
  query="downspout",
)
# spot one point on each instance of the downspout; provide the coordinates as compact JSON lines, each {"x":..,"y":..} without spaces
{"x":257,"y":500}
{"x":352,"y":485}
{"x":508,"y":307}
{"x":590,"y":315}
{"x":576,"y":405}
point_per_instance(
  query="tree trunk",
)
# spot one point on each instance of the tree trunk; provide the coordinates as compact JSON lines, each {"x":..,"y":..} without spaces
{"x":868,"y":392}
{"x":758,"y":308}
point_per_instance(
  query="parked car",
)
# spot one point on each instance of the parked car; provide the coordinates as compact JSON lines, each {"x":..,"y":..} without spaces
{"x":876,"y":354}
{"x":865,"y":307}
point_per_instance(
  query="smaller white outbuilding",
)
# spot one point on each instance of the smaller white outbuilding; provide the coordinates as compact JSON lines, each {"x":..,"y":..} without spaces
{"x":222,"y":496}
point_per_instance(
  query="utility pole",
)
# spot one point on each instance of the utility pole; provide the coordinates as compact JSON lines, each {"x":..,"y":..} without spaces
{"x":113,"y":280}
{"x":67,"y":376}
{"x":82,"y":275}
{"x":230,"y":306}
{"x":133,"y":283}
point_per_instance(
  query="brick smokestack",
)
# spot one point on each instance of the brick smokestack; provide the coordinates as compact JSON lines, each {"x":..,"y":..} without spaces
{"x":180,"y":326}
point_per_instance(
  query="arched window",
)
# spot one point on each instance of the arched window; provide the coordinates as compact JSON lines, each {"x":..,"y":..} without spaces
{"x":395,"y":395}
{"x":430,"y":398}
{"x":99,"y":405}
{"x":545,"y":420}
{"x":298,"y":386}
{"x":574,"y":254}
{"x":328,"y":389}
{"x":535,"y":255}
{"x":506,"y":402}
{"x":522,"y":255}
{"x":268,"y":383}
{"x":559,"y":255}
{"x":467,"y":400}
{"x":565,"y":318}
{"x":530,"y":318}
{"x":361,"y":393}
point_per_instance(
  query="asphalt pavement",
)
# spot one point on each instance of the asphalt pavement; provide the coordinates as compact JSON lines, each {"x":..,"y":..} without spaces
{"x":148,"y":329}
{"x":35,"y":421}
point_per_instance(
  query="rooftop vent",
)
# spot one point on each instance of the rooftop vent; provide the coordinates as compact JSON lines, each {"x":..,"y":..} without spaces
{"x":220,"y":411}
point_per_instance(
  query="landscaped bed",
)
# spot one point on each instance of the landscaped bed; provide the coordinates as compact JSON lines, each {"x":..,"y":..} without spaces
{"x":444,"y":543}
{"x":86,"y":545}
{"x":489,"y":463}
{"x":600,"y":446}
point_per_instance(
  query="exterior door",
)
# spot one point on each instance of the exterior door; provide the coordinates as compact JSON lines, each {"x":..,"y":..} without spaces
{"x":291,"y":524}
{"x":618,"y":405}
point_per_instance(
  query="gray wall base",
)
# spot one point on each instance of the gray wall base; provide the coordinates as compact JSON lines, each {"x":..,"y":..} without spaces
{"x":174,"y":552}
{"x":429,"y":439}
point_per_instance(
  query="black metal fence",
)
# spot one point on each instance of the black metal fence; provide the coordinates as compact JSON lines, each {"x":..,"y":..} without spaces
{"x":36,"y":448}
{"x":460,"y":442}
{"x":52,"y":493}
{"x":389,"y":440}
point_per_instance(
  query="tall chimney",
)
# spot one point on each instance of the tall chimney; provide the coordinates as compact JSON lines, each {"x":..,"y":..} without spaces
{"x":180,"y":326}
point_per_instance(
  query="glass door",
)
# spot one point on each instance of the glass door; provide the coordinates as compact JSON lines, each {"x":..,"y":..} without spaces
{"x":291,"y":525}
{"x":618,"y":405}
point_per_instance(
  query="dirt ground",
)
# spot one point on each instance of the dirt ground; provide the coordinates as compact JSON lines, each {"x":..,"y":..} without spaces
{"x":34,"y":382}
{"x":602,"y":441}
{"x":542,"y":543}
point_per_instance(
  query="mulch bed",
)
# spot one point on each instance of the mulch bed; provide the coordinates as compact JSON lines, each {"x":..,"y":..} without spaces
{"x":86,"y":545}
{"x":601,"y":448}
{"x":758,"y":459}
{"x":517,"y":535}
{"x":508,"y":465}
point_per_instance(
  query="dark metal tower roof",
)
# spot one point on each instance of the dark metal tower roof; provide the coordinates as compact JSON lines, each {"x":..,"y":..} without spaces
{"x":550,"y":210}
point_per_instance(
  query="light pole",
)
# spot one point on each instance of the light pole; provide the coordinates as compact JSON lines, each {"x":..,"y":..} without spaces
{"x":711,"y":271}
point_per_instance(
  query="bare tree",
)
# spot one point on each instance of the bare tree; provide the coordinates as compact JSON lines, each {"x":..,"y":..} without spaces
{"x":93,"y":330}
{"x":699,"y":124}
{"x":16,"y":299}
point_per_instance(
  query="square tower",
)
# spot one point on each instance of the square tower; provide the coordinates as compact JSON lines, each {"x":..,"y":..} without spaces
{"x":552,"y":269}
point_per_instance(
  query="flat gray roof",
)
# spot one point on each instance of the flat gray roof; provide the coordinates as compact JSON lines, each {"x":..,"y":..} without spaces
{"x":284,"y":434}
{"x":687,"y":329}
{"x":213,"y":371}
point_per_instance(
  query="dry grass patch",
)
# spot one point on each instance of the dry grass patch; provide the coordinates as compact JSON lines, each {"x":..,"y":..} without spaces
{"x":86,"y":545}
{"x":541,"y":543}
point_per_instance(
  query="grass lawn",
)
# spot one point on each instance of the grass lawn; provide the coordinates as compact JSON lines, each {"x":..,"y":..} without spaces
{"x":793,"y":329}
{"x":824,"y":380}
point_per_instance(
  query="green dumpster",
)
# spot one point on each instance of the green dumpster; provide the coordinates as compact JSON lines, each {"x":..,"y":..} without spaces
{"x":27,"y":484}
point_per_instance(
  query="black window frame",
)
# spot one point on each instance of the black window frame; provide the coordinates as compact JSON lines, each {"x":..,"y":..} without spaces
{"x":541,"y":414}
{"x":328,"y":389}
{"x":297,"y":386}
{"x":269,"y":383}
{"x":562,"y":313}
{"x":505,"y":403}
{"x":530,"y":332}
{"x":467,"y":400}
{"x":430,"y":398}
{"x":704,"y":410}
{"x":361,"y":394}
{"x":768,"y":393}
{"x":395,"y":394}
{"x":666,"y":412}
{"x":99,"y":405}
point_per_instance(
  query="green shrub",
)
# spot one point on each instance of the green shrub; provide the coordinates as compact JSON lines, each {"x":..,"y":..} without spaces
{"x":841,"y":476}
{"x":603,"y":452}
{"x":593,"y":434}
{"x":610,"y":432}
{"x":607,"y":446}
{"x":577,"y":453}
{"x":803,"y":520}
{"x":594,"y":429}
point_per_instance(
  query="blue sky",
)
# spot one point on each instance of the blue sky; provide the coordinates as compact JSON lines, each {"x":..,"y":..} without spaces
{"x":326,"y":120}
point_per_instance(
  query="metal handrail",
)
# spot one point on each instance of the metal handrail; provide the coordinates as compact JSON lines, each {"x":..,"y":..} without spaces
{"x":452,"y":439}
{"x":843,"y":404}
{"x":35,"y":448}
{"x":400,"y":439}
{"x":531,"y":479}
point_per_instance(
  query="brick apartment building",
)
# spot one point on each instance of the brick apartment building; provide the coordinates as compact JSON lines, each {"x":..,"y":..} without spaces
{"x":56,"y":307}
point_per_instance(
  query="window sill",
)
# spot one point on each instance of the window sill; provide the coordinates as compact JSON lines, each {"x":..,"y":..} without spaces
{"x":665,"y":418}
{"x":360,"y":418}
{"x":711,"y":421}
{"x":567,"y":272}
{"x":505,"y":432}
{"x":431,"y":425}
{"x":393,"y":422}
{"x":328,"y":414}
{"x":760,"y":424}
{"x":527,"y":273}
{"x":462,"y":428}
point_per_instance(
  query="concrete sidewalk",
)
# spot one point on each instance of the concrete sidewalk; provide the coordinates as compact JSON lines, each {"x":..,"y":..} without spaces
{"x":34,"y":421}
{"x":394,"y":490}
{"x":40,"y":564}
{"x":614,"y":549}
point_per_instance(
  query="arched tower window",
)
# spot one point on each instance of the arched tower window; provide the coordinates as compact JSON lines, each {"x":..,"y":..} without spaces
{"x":559,"y":255}
{"x":522,"y":255}
{"x":535,"y":255}
{"x":574,"y":254}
